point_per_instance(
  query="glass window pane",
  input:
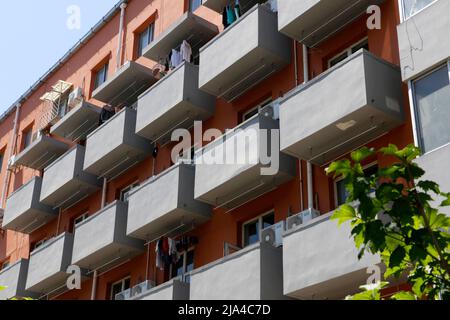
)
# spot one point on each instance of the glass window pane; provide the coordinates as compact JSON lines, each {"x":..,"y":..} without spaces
{"x":364,"y":44}
{"x":251,"y":233}
{"x":116,"y":288}
{"x":410,"y":7}
{"x":338,"y":59}
{"x":341,"y":192}
{"x":432,"y":94}
{"x":194,"y":4}
{"x":268,"y":220}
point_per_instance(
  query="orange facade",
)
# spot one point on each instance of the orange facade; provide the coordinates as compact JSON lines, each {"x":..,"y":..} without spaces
{"x":224,"y":226}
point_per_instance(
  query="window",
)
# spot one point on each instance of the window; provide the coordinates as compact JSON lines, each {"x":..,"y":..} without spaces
{"x":80,"y":219}
{"x":255,"y":110}
{"x":431,"y":95}
{"x":40,"y":243}
{"x":363,"y":44}
{"x":101,"y":76}
{"x":184,"y":265}
{"x":125,"y":192}
{"x":252,"y":229}
{"x":2,"y":157}
{"x":411,"y":7}
{"x":194,"y":5}
{"x":27,"y":136}
{"x":119,"y":287}
{"x":145,"y":37}
{"x":341,"y":193}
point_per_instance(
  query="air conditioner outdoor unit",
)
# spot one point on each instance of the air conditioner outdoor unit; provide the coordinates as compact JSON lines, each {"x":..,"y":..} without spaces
{"x":75,"y":97}
{"x":124,"y":295}
{"x":141,"y":288}
{"x":273,"y":235}
{"x":294,"y":221}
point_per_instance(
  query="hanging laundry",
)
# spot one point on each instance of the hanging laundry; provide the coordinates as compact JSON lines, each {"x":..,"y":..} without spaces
{"x":231,"y":16}
{"x":186,"y":51}
{"x":237,"y":9}
{"x":158,"y":251}
{"x":175,"y":59}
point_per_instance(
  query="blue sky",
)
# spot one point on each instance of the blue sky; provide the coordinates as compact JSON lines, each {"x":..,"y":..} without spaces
{"x":34,"y":35}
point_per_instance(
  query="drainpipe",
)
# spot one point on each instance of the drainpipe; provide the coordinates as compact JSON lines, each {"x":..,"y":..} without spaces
{"x":309,"y":168}
{"x":105,"y":184}
{"x":94,"y":285}
{"x":120,"y":40}
{"x":12,"y":142}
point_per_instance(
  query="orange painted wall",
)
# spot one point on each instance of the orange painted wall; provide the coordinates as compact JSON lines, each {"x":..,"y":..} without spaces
{"x":223,"y":227}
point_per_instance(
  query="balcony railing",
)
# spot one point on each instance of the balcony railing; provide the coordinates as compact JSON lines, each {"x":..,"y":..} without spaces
{"x":171,"y":205}
{"x":420,"y":40}
{"x":174,"y":102}
{"x":253,"y":273}
{"x":320,"y":261}
{"x":246,"y":53}
{"x":65,"y":183}
{"x":238,"y":176}
{"x":101,"y":241}
{"x":78,"y":123}
{"x":312,"y":22}
{"x":347,"y":106}
{"x":114,"y":147}
{"x":40,"y":153}
{"x":14,"y":278}
{"x":48,"y":265}
{"x":126,"y":85}
{"x":24,"y":213}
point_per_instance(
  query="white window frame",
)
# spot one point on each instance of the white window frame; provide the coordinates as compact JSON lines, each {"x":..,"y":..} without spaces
{"x":259,"y":220}
{"x":258,"y":107}
{"x":413,"y":106}
{"x":401,"y":6}
{"x":81,"y":218}
{"x":347,"y":50}
{"x":184,"y":257}
{"x":338,"y":179}
{"x":40,"y":243}
{"x":127,"y":189}
{"x":122,"y":281}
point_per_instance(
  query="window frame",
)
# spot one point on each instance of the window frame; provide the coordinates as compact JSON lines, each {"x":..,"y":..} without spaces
{"x":257,"y":107}
{"x":340,"y":178}
{"x":27,"y":132}
{"x":190,"y":9}
{"x":82,"y":216}
{"x":415,"y":118}
{"x":402,"y":13}
{"x":184,"y":254}
{"x":348,"y":51}
{"x":259,"y":219}
{"x":150,"y":26}
{"x":122,"y":282}
{"x":129,"y":187}
{"x":103,"y":66}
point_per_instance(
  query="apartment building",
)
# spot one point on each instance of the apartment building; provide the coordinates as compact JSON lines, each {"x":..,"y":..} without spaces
{"x":87,"y":174}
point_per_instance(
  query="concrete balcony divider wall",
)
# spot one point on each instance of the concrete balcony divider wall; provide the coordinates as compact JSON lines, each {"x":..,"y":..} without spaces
{"x":114,"y":147}
{"x":229,"y":185}
{"x":420,"y":40}
{"x":171,"y":204}
{"x":246,"y":53}
{"x":48,"y":265}
{"x":41,"y":153}
{"x":320,"y":261}
{"x":24,"y":213}
{"x":171,"y":290}
{"x":101,"y":239}
{"x":14,"y":278}
{"x":347,"y":106}
{"x":65,"y":183}
{"x":253,"y":273}
{"x":313,"y":21}
{"x":174,"y":102}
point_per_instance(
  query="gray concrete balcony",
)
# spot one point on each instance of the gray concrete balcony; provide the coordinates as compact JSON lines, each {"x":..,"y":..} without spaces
{"x":171,"y":290}
{"x":14,"y":278}
{"x":320,"y":261}
{"x":246,"y":53}
{"x":174,"y":102}
{"x":420,"y":40}
{"x":435,"y":165}
{"x":23,"y":212}
{"x":126,"y":85}
{"x":347,"y":106}
{"x":190,"y":27}
{"x":218,"y":5}
{"x":242,"y":174}
{"x":114,"y":147}
{"x":253,"y":273}
{"x":40,"y":153}
{"x":101,"y":239}
{"x":171,"y":205}
{"x":314,"y":21}
{"x":65,"y":183}
{"x":48,"y":265}
{"x":78,"y":122}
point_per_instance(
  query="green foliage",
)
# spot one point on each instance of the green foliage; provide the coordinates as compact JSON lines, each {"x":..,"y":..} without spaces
{"x":2,"y":288}
{"x":369,"y":292}
{"x":391,"y":214}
